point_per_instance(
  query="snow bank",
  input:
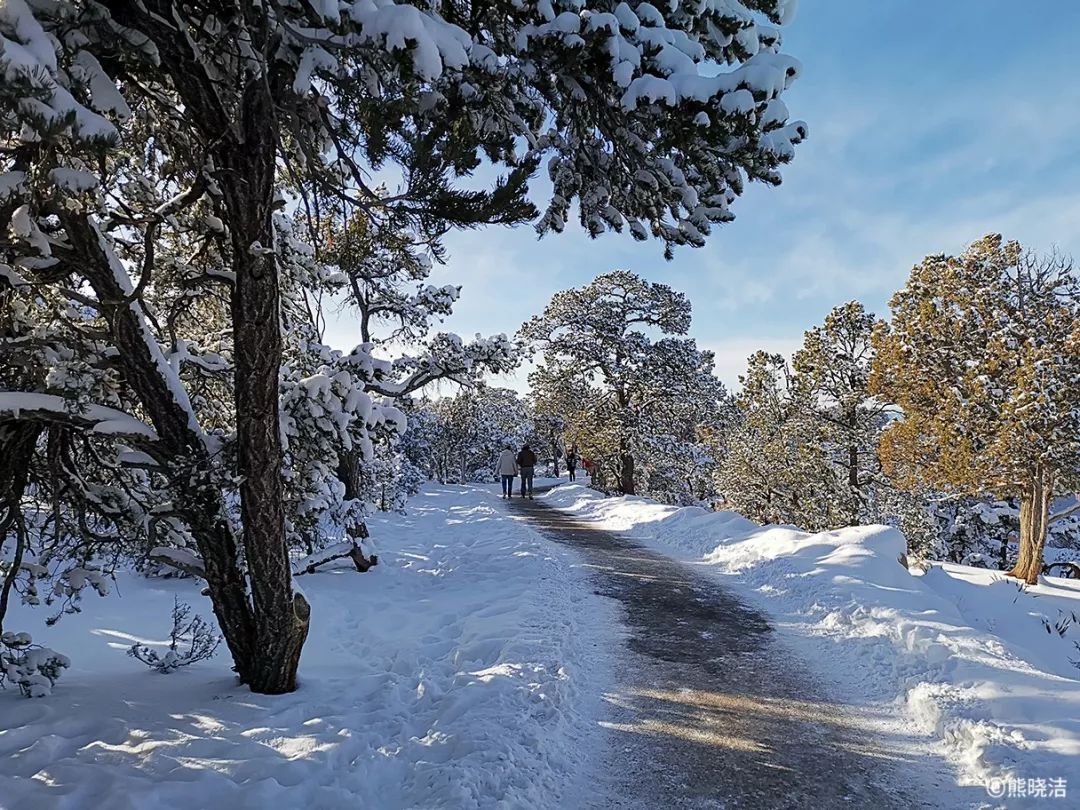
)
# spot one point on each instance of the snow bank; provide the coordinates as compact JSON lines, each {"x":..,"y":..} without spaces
{"x":452,"y":675}
{"x":981,"y":664}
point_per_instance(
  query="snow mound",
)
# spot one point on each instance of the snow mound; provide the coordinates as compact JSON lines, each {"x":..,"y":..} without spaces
{"x":981,"y":664}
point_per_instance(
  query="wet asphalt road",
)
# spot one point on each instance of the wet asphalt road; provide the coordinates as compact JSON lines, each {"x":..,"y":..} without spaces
{"x":708,"y":710}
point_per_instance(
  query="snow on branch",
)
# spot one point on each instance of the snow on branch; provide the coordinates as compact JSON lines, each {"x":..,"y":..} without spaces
{"x":1064,"y":513}
{"x":99,"y":419}
{"x":180,"y":559}
{"x":31,"y":667}
{"x":338,"y":551}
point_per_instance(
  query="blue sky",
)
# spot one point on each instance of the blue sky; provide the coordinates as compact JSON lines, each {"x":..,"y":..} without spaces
{"x":931,"y":124}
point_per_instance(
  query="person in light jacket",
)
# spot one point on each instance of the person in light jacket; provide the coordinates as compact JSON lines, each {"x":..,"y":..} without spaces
{"x":507,"y":469}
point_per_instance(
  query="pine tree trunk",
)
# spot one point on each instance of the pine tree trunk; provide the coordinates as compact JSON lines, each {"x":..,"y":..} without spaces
{"x":246,"y":176}
{"x":555,"y":455}
{"x":1034,"y":519}
{"x":857,"y":512}
{"x":18,"y":441}
{"x":348,"y":473}
{"x":265,"y":632}
{"x":626,"y":473}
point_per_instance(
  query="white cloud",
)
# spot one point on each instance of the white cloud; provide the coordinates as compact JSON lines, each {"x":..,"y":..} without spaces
{"x":731,"y":355}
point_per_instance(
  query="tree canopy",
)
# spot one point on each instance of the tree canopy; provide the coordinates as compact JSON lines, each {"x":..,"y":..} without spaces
{"x":982,"y":355}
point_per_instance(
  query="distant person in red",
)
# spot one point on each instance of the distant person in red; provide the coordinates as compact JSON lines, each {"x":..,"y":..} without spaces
{"x":587,"y":466}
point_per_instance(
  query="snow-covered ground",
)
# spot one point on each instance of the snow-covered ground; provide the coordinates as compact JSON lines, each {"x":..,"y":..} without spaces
{"x":983,"y":667}
{"x":451,"y":675}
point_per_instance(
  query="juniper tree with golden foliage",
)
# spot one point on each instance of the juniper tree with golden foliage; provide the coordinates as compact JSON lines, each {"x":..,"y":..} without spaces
{"x":982,"y":356}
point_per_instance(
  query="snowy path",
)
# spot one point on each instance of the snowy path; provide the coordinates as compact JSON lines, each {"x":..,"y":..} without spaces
{"x":709,"y":711}
{"x":460,"y":674}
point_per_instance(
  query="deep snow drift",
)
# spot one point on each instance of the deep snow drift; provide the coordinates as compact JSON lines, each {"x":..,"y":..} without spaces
{"x":978,"y":662}
{"x":451,"y":675}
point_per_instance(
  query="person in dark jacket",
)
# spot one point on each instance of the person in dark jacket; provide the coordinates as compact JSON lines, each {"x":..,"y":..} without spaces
{"x":526,"y":461}
{"x":571,"y":462}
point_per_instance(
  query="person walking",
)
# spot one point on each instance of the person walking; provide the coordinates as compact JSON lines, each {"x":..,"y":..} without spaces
{"x":571,"y":462}
{"x":507,"y":469}
{"x":526,"y":461}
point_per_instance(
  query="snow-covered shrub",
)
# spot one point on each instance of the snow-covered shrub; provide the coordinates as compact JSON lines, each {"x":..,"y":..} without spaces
{"x":31,"y":667}
{"x":395,"y":477}
{"x":192,"y":633}
{"x":981,"y":532}
{"x":677,"y":470}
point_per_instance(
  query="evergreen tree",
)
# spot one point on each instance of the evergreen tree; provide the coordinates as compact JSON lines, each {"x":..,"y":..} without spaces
{"x":776,"y":468}
{"x":982,"y":356}
{"x":472,"y":428}
{"x":618,"y":385}
{"x":547,"y":433}
{"x":833,"y":366}
{"x":384,"y":270}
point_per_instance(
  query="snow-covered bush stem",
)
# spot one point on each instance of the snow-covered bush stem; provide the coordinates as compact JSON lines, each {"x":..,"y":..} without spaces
{"x":191,"y":640}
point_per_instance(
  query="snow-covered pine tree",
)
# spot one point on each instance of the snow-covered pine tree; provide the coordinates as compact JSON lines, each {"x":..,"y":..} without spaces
{"x":150,"y":146}
{"x":547,"y":434}
{"x":776,"y":468}
{"x":385,"y":270}
{"x":688,"y":406}
{"x":982,"y":356}
{"x":596,"y":351}
{"x":833,"y":366}
{"x":558,"y":399}
{"x":418,"y":445}
{"x":587,"y":425}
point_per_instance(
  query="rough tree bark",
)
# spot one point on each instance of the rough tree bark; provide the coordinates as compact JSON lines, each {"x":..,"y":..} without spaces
{"x":265,"y":633}
{"x":349,"y":475}
{"x":1034,"y":521}
{"x":626,"y":473}
{"x":626,"y":458}
{"x":246,"y":174}
{"x":17,"y":443}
